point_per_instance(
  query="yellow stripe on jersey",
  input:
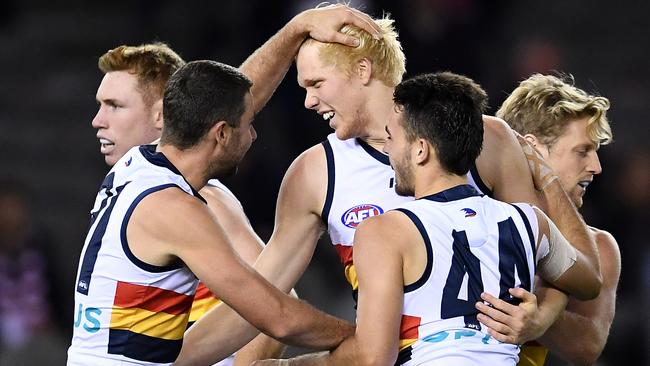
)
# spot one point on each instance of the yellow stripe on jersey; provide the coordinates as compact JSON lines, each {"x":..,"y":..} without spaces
{"x":160,"y":325}
{"x":201,"y":306}
{"x":532,"y":354}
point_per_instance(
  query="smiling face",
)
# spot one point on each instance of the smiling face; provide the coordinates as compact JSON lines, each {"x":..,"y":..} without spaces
{"x":124,"y":119}
{"x":574,"y":158}
{"x":339,"y":98}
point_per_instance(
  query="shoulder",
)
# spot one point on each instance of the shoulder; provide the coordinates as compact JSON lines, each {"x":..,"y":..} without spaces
{"x":167,"y":205}
{"x":496,"y":129}
{"x":608,"y":250}
{"x":393,"y":228}
{"x":308,"y":173}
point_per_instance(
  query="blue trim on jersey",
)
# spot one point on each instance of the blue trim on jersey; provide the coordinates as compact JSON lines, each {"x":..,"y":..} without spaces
{"x":159,"y":159}
{"x":454,"y":193}
{"x":107,"y":185}
{"x":95,"y":243}
{"x":427,"y":243}
{"x":530,"y":234}
{"x":125,"y":244}
{"x":479,"y":182}
{"x":382,"y":158}
{"x":142,"y":347}
{"x":329,"y":156}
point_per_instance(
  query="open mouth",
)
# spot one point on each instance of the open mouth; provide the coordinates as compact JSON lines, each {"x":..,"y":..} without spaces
{"x":584,"y":183}
{"x":105,"y":143}
{"x":328,"y":115}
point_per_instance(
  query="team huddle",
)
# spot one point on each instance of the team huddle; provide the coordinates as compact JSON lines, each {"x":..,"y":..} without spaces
{"x":457,"y":231}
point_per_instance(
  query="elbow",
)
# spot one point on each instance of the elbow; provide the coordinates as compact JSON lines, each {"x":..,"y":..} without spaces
{"x":588,"y":290}
{"x":375,"y":358}
{"x":587,"y":356}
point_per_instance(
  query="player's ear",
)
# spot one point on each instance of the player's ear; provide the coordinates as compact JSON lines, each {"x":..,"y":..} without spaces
{"x":533,"y":140}
{"x":421,"y":151}
{"x":364,"y":70}
{"x":157,"y":114}
{"x":219,"y":132}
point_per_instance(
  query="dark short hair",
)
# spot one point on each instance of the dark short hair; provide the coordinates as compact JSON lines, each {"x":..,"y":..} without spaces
{"x":445,"y":109}
{"x":198,"y":95}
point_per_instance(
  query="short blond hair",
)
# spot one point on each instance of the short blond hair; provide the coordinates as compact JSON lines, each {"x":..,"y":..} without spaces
{"x":386,"y":54}
{"x":543,"y":104}
{"x":153,"y":64}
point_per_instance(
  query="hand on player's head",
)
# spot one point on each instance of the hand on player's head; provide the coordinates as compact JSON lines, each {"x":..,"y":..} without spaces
{"x":324,"y":24}
{"x":541,"y":171}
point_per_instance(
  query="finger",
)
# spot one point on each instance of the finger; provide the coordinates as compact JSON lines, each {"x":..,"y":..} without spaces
{"x":500,"y":337}
{"x":524,"y":295}
{"x":365,"y":22}
{"x":345,"y":39}
{"x":494,"y":325}
{"x":498,"y":303}
{"x":495,"y":314}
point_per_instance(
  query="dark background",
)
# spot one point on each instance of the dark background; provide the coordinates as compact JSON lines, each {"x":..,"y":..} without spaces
{"x":48,"y":75}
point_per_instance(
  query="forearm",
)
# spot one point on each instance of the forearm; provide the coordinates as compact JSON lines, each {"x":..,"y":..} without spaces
{"x":260,"y":348}
{"x":551,"y":304}
{"x":268,"y":65}
{"x":310,"y":328}
{"x":575,"y":338}
{"x":215,"y":336}
{"x":564,"y":214}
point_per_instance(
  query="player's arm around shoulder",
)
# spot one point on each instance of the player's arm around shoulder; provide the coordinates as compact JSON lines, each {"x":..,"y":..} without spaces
{"x":234,"y":221}
{"x":502,"y":164}
{"x":297,"y":220}
{"x":581,"y":332}
{"x":562,"y":264}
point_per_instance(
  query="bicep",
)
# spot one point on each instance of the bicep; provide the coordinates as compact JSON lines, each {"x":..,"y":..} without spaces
{"x":297,"y":223}
{"x":234,"y":221}
{"x":503,"y":166}
{"x":379,"y":268}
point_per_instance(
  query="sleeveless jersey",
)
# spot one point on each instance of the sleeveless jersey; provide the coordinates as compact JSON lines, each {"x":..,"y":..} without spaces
{"x":129,"y":312}
{"x":473,"y":244}
{"x":532,"y":353}
{"x":204,"y":299}
{"x":360,"y":184}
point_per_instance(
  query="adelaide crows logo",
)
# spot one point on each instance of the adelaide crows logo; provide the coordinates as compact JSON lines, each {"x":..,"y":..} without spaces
{"x":468,"y":212}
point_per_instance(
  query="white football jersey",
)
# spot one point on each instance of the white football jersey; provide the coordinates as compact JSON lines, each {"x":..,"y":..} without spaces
{"x":361,"y":184}
{"x":129,"y":312}
{"x":474,"y":244}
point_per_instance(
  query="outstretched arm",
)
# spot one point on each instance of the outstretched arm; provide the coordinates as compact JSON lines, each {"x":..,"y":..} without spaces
{"x":187,"y":230}
{"x":267,"y":66}
{"x":248,"y":246}
{"x":301,"y":198}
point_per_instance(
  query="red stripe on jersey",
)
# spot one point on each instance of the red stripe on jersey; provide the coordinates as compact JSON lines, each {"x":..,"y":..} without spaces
{"x":409,"y":327}
{"x":345,"y":253}
{"x":203,"y":292}
{"x":129,"y":295}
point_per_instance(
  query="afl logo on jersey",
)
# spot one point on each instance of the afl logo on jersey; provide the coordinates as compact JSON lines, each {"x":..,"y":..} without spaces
{"x":353,"y":217}
{"x":128,"y":162}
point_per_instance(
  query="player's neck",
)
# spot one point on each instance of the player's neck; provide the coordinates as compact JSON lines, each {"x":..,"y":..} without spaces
{"x":435,"y":182}
{"x":378,"y":109}
{"x":188,"y":163}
